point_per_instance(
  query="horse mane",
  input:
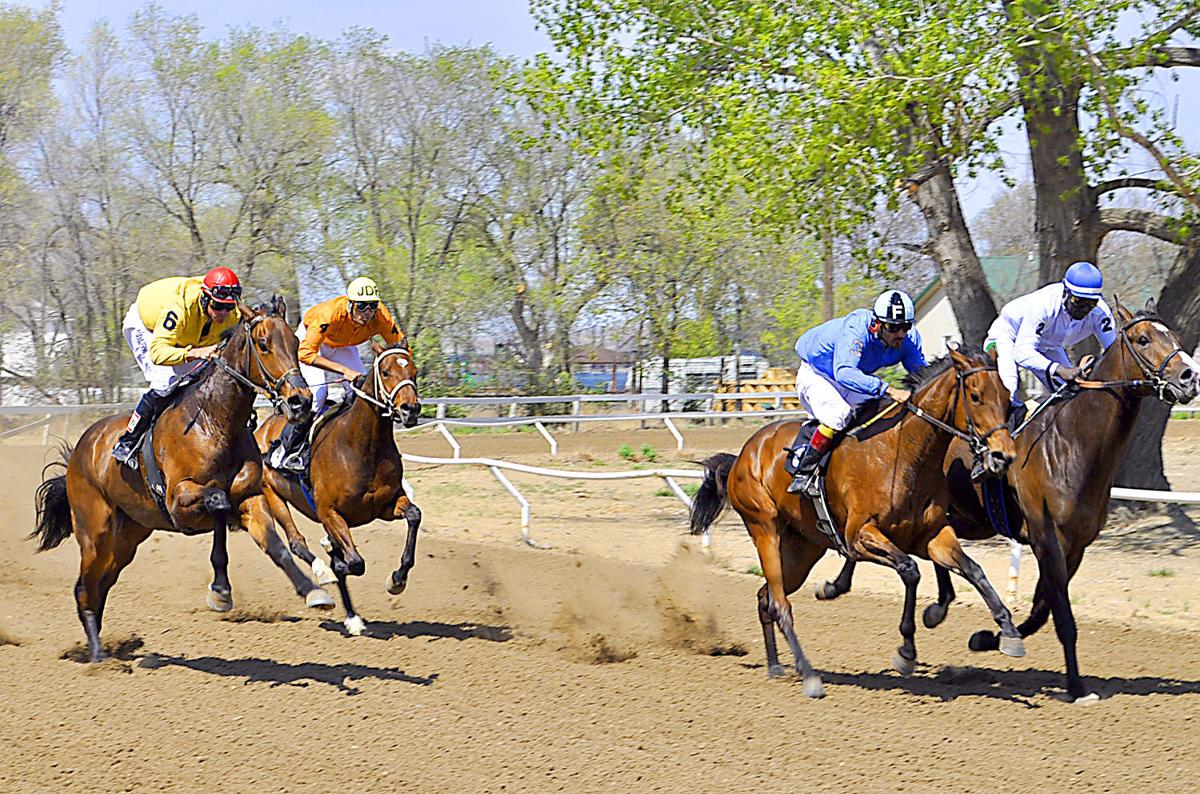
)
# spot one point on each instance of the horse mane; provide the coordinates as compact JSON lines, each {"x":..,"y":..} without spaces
{"x":915,"y":380}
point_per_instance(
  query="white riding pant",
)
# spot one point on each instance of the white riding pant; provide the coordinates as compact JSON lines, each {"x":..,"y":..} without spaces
{"x":1006,"y":362}
{"x":137,"y":336}
{"x":831,"y":403}
{"x":319,"y":379}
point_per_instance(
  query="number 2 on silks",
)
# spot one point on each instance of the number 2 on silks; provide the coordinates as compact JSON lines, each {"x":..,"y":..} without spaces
{"x":170,"y":321}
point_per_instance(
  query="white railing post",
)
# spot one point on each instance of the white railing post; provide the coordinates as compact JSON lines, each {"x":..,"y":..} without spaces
{"x":450,"y":437}
{"x":674,"y":431}
{"x":576,"y":410}
{"x":525,"y":510}
{"x":441,"y":411}
{"x":551,"y":440}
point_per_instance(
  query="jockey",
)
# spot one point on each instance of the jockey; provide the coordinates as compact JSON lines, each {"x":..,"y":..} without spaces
{"x":330,"y":334}
{"x":174,"y":322}
{"x":1034,"y":330}
{"x":836,"y":362}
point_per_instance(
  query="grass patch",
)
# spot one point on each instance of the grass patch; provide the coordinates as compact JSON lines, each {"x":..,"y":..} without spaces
{"x":755,"y":570}
{"x":1164,"y":573}
{"x":625,"y":451}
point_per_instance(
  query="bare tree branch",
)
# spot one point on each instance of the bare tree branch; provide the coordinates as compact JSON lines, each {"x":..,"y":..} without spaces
{"x":1110,"y":185}
{"x":1126,"y":219}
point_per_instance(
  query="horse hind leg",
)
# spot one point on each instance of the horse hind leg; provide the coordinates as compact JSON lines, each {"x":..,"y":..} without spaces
{"x":346,"y":562}
{"x":777,"y":569}
{"x":839,"y":586}
{"x":934,"y":614}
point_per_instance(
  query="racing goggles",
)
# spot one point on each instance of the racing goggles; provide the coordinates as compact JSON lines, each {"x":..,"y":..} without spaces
{"x":364,"y":307}
{"x":228,"y":294}
{"x":896,"y":328}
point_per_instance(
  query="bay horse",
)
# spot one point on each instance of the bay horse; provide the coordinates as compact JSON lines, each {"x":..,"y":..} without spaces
{"x":1067,"y":460}
{"x":356,"y":474}
{"x":210,"y":468}
{"x":886,"y":493}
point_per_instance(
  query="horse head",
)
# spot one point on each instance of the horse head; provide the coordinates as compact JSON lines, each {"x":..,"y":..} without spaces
{"x":396,"y":381}
{"x":1148,"y":345}
{"x":979,"y":408}
{"x":272,"y":362}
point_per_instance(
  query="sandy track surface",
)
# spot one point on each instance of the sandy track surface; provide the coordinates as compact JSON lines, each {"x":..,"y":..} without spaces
{"x":619,"y":660}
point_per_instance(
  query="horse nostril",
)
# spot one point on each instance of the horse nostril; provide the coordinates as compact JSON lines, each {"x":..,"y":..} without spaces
{"x":1186,"y":375}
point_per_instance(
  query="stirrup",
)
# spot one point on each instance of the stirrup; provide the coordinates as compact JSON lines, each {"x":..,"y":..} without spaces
{"x":125,"y":456}
{"x":292,"y":461}
{"x":802,"y":483}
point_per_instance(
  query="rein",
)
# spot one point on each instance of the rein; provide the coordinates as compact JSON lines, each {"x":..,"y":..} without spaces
{"x":387,"y":409}
{"x":268,"y":390}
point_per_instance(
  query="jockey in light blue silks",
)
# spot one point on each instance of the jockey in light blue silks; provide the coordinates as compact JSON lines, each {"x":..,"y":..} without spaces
{"x":836,"y":362}
{"x":1034,"y":330}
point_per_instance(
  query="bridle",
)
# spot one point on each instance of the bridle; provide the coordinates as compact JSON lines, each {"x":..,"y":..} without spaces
{"x":1154,"y":375}
{"x":269,"y":390}
{"x":387,"y":408}
{"x":976,"y":440}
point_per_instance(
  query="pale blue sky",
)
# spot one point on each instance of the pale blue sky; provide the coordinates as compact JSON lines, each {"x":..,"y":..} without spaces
{"x":410,"y":24}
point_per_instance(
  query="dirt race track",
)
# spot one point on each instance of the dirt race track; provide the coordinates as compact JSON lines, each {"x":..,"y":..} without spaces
{"x":624,"y":659}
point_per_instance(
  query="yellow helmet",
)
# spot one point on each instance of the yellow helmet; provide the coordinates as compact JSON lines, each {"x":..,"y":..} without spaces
{"x":362,"y":289}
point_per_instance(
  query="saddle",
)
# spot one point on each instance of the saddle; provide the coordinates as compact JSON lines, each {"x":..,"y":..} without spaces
{"x":815,"y":488}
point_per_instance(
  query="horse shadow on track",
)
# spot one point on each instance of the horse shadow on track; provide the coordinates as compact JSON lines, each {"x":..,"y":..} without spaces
{"x":415,"y":629}
{"x":1018,"y":686}
{"x":275,"y":673}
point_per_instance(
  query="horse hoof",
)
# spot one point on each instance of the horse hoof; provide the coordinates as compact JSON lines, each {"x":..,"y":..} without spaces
{"x":1088,"y":699}
{"x":1012,"y":646}
{"x":318,"y":599}
{"x":827,"y":591}
{"x":777,"y":671}
{"x":326,"y":544}
{"x":813,"y":687}
{"x":933,"y":616}
{"x":355,"y":626}
{"x":219,"y":600}
{"x":904,"y":666}
{"x":323,"y":573}
{"x":984,"y":640}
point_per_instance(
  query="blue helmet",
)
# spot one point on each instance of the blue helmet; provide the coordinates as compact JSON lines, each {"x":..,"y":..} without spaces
{"x":1083,"y":280}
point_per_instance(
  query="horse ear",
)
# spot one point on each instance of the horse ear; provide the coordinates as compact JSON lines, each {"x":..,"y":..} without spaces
{"x":1151,"y":306}
{"x":958,"y":357}
{"x":376,"y":348}
{"x":1123,"y":314}
{"x":279,"y":307}
{"x":247,"y":311}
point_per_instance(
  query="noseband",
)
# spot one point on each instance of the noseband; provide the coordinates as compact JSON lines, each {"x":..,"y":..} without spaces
{"x":1155,"y":376}
{"x":386,"y":408}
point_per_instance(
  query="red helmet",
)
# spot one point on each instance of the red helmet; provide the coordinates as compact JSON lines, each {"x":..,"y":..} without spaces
{"x":222,"y":287}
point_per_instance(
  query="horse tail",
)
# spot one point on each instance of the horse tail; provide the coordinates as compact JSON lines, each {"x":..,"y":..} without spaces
{"x":712,"y":498}
{"x":53,"y":510}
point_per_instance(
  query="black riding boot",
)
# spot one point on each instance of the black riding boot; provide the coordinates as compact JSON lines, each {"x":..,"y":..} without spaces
{"x":809,"y":458}
{"x":143,"y":415}
{"x":288,"y":452}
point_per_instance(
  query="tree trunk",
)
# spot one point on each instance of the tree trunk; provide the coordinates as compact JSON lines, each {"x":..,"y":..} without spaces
{"x":953,"y":250}
{"x":1180,"y":307}
{"x":827,"y":273}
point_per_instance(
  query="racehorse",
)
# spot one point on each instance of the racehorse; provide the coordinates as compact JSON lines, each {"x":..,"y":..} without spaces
{"x":210,"y":469}
{"x":885,"y":488}
{"x":355,"y":472}
{"x":1067,"y":459}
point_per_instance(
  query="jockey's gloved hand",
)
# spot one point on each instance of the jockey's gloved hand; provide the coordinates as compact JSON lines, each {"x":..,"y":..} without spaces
{"x":1067,"y":374}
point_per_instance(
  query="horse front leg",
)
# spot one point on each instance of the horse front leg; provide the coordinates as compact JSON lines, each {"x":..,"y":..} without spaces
{"x":871,"y":544}
{"x":947,"y":555}
{"x":1053,"y":569}
{"x":256,"y":519}
{"x":346,"y":562}
{"x":412,"y":514}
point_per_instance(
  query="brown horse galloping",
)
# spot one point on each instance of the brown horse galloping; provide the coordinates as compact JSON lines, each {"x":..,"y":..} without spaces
{"x":356,"y":473}
{"x":209,"y":464}
{"x":1066,"y":461}
{"x":885,"y":488}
